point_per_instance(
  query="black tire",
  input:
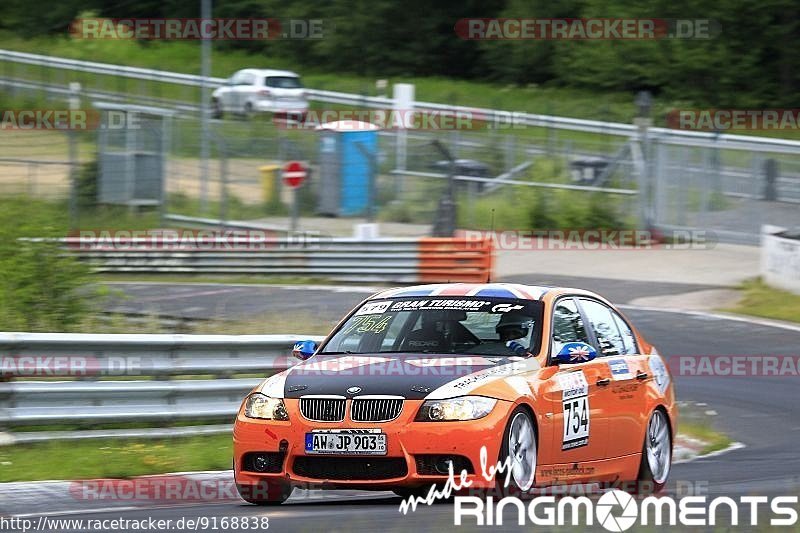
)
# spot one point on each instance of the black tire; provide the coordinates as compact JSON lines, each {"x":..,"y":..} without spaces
{"x":265,"y":493}
{"x":647,"y":481}
{"x":216,"y":109}
{"x":517,"y":487}
{"x":248,"y":110}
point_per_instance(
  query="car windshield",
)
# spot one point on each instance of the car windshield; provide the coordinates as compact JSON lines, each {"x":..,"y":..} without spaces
{"x":441,"y":325}
{"x":283,"y":82}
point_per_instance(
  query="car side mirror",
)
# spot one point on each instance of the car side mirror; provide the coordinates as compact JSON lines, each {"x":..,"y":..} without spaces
{"x":304,"y":349}
{"x":576,"y":352}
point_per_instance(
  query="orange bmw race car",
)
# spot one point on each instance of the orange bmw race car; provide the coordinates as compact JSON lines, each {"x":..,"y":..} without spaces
{"x":418,"y":380}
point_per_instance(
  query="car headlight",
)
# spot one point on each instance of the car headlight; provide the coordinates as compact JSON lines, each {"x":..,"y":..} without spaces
{"x":260,"y":406}
{"x":461,"y":408}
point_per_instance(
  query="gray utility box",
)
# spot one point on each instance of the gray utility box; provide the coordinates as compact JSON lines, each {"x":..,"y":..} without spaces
{"x":132,"y":150}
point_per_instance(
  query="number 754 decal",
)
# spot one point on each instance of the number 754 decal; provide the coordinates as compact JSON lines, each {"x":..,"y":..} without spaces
{"x":575,"y":404}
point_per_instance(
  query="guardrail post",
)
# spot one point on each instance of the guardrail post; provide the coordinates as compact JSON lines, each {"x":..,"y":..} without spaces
{"x":770,"y":179}
{"x":7,"y":392}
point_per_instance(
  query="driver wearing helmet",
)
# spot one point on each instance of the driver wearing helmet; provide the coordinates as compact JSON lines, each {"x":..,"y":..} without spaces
{"x":513,"y":330}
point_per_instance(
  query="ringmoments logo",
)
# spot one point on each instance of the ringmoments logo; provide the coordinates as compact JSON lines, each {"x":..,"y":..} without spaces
{"x":619,"y":511}
{"x":614,"y":510}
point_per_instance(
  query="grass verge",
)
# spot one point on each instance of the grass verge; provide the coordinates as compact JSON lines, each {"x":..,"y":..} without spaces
{"x":713,"y":439}
{"x":183,"y":56}
{"x":120,"y":458}
{"x":124,"y":458}
{"x":759,"y":299}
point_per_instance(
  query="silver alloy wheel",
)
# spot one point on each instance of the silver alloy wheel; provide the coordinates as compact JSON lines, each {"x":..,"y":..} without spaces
{"x":522,"y":450}
{"x":659,"y":448}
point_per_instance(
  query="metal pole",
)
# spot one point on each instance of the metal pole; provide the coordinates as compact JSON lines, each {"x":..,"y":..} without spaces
{"x":293,"y":222}
{"x":74,"y":103}
{"x":445,"y":220}
{"x":73,"y":179}
{"x":205,"y":13}
{"x":222,"y":150}
{"x":166,"y":134}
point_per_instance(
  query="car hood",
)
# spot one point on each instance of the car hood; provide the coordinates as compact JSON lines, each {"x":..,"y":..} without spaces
{"x":413,"y":376}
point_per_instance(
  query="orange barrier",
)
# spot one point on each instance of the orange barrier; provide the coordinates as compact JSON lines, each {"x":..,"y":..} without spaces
{"x":455,"y":259}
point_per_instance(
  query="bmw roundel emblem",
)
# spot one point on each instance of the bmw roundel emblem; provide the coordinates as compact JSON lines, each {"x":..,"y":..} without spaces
{"x":353,"y":390}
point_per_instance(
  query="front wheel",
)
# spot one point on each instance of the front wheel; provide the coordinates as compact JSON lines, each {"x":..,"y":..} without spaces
{"x":656,"y":454}
{"x":519,"y":444}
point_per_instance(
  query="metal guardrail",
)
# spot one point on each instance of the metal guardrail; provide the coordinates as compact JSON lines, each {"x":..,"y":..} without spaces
{"x":739,"y":142}
{"x":89,"y":369}
{"x":416,"y":260}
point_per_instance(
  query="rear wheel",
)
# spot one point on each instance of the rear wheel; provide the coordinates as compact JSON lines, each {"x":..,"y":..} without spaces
{"x":248,"y":110}
{"x":519,"y":443}
{"x":216,"y":109}
{"x":656,"y":454}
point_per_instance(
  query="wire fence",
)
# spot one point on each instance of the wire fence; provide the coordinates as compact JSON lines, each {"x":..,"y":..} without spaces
{"x":549,"y":172}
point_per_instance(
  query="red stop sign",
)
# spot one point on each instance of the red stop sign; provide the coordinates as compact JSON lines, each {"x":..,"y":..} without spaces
{"x":294,"y":173}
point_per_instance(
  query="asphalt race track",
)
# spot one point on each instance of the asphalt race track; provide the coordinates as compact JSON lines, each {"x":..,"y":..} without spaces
{"x":759,"y":412}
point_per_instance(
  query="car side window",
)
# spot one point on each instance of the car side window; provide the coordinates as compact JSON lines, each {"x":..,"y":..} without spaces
{"x":237,"y":78}
{"x":605,"y":328}
{"x":628,"y":340}
{"x":567,"y":325}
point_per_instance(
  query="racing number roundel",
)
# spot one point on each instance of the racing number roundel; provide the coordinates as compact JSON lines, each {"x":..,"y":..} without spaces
{"x":575,"y":404}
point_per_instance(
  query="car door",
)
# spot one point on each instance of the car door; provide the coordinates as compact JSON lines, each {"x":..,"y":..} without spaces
{"x":576,"y":393}
{"x":617,"y":349}
{"x":244,"y":90}
{"x":228,"y":96}
{"x":250,"y":89}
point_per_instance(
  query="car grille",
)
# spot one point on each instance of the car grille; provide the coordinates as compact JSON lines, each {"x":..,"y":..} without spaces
{"x":323,"y":409}
{"x":351,"y":468}
{"x":375,"y":409}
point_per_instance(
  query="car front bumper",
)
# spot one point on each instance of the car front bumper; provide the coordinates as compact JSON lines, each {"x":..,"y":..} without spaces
{"x":407,"y":442}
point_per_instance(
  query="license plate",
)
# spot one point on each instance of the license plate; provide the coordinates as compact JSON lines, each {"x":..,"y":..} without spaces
{"x":346,"y":442}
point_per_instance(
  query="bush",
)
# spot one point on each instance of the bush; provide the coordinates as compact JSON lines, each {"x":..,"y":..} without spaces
{"x":41,"y":288}
{"x":86,"y":186}
{"x":541,"y":212}
{"x":602,"y":213}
